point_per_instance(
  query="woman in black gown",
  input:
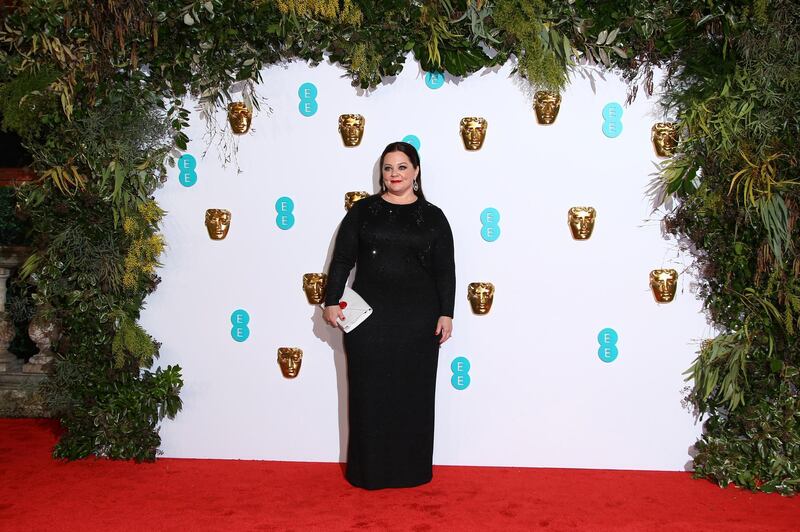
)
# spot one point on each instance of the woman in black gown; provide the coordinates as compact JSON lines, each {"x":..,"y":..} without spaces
{"x":403,"y":248}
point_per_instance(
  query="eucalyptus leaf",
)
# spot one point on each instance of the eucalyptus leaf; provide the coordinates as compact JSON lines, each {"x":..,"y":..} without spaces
{"x":604,"y":56}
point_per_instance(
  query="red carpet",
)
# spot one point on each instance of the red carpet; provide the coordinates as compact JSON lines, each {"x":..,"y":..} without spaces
{"x":39,"y":493}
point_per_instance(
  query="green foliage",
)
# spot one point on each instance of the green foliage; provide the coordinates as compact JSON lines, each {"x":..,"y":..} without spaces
{"x":12,"y":230}
{"x":765,"y":452}
{"x":732,"y":78}
{"x":112,"y":417}
{"x":104,"y":137}
{"x":720,"y":372}
{"x":523,"y":23}
{"x":330,"y":10}
{"x":775,"y":219}
{"x":132,"y":342}
{"x":145,"y":245}
{"x":25,"y":99}
{"x":444,"y":45}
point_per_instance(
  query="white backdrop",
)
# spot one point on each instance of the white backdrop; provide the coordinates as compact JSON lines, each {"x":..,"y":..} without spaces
{"x":539,"y":394}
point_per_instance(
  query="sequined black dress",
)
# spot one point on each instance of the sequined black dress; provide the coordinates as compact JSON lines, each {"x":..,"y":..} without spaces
{"x":405,"y":272}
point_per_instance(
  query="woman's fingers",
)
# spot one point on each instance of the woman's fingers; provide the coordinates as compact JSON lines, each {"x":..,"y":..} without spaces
{"x":444,"y":327}
{"x":331,"y":313}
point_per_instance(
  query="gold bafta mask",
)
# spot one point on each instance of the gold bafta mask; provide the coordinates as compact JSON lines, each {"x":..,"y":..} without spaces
{"x":351,"y":128}
{"x":473,"y":132}
{"x":665,"y":138}
{"x":481,"y":296}
{"x":546,"y":104}
{"x":314,"y":286}
{"x":218,"y":221}
{"x":352,"y":197}
{"x":663,"y":283}
{"x":239,"y":117}
{"x":581,"y":222}
{"x":290,"y":359}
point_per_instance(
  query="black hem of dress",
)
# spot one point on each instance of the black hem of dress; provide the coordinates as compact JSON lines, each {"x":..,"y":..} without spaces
{"x":399,"y":485}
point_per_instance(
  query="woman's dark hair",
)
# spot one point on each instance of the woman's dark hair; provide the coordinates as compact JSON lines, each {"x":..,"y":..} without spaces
{"x":412,"y":154}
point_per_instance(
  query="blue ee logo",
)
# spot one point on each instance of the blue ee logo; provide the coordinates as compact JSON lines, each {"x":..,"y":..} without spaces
{"x":240,"y":318}
{"x":308,"y":99}
{"x":612,"y":125}
{"x":413,"y":140}
{"x":489,"y":220}
{"x":608,"y":345}
{"x":186,"y":165}
{"x":434,"y":80}
{"x":460,"y":379}
{"x":285,"y":218}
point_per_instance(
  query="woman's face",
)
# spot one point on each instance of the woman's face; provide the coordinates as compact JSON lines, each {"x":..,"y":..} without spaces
{"x":398,"y":173}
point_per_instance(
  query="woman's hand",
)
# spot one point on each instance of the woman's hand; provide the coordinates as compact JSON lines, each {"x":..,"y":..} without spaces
{"x":445,"y":327}
{"x":330,"y":313}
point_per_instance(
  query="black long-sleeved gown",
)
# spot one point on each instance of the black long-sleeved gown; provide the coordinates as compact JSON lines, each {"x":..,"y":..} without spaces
{"x":406,"y":273}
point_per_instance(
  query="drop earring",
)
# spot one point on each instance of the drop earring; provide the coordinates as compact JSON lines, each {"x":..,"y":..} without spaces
{"x":416,"y":185}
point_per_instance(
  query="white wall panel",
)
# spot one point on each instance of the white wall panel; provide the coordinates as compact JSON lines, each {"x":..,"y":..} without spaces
{"x":539,"y":395}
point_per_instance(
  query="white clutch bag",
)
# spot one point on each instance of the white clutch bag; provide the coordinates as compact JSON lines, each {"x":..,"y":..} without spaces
{"x":354,"y":308}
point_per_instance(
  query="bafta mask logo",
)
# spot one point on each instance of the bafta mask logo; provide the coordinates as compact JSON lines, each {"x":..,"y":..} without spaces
{"x":473,"y":132}
{"x":314,"y":286}
{"x":665,"y":138}
{"x":239,"y":117}
{"x":351,"y":197}
{"x":481,"y":296}
{"x":581,"y":222}
{"x":663,"y":283}
{"x":546,"y":104}
{"x":351,"y":128}
{"x":218,"y":221}
{"x":290,"y":359}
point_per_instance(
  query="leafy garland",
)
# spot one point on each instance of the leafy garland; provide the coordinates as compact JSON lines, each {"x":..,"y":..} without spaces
{"x":96,"y":89}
